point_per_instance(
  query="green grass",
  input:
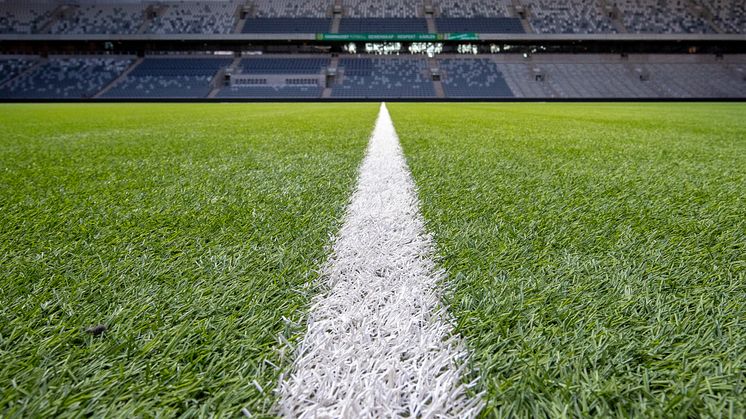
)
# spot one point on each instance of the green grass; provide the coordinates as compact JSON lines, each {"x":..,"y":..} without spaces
{"x":189,"y":230}
{"x":597,"y":252}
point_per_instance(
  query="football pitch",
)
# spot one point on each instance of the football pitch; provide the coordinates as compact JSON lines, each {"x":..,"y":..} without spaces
{"x":595,"y":254}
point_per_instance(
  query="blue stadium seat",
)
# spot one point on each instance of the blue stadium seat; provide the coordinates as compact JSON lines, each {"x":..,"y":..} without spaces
{"x":473,"y":78}
{"x":287,"y":25}
{"x":283,"y":65}
{"x":382,"y":25}
{"x":169,"y":78}
{"x":384,"y":78}
{"x":479,"y":24}
{"x":65,"y":78}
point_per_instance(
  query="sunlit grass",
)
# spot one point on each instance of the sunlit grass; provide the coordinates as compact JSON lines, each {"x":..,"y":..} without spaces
{"x":597,"y":252}
{"x":189,"y":231}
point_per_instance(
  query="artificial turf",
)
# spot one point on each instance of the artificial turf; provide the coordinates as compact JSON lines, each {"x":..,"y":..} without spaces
{"x":596,"y":253}
{"x":188,"y":231}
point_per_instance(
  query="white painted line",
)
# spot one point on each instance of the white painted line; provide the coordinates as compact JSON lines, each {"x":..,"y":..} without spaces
{"x":379,"y":343}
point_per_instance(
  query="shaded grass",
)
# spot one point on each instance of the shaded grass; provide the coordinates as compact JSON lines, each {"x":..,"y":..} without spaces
{"x":190,"y":231}
{"x":597,"y":252}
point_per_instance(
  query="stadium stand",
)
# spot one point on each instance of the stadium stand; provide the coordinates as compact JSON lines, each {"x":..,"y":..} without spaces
{"x":283,"y":65}
{"x":281,"y":78}
{"x":380,"y":8}
{"x":480,"y":24}
{"x":11,"y":68}
{"x":595,"y":80}
{"x":473,"y":78}
{"x":309,"y":67}
{"x":292,"y":8}
{"x":522,"y":80}
{"x":383,"y":25}
{"x":169,"y":78}
{"x":570,"y":16}
{"x":65,"y":78}
{"x":23,"y":17}
{"x":190,"y":17}
{"x":649,"y":76}
{"x":372,"y":16}
{"x":101,"y":19}
{"x":675,"y":80}
{"x":287,"y":25}
{"x":474,"y":8}
{"x":661,"y":16}
{"x":393,"y":77}
{"x":729,"y":15}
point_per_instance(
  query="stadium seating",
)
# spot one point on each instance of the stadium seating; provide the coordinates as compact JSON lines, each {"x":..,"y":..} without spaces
{"x":66,"y":78}
{"x":570,"y":16}
{"x":101,"y":19}
{"x":12,"y":67}
{"x":583,"y":80}
{"x":287,"y":25}
{"x":623,"y":80}
{"x":283,"y":65}
{"x":382,"y":25}
{"x":522,"y":80}
{"x":693,"y":80}
{"x":383,"y":78}
{"x":280,"y":78}
{"x":661,"y":16}
{"x":23,"y":17}
{"x":729,"y":15}
{"x":293,"y":8}
{"x":169,"y":78}
{"x":189,"y":17}
{"x":473,"y":8}
{"x":371,"y":16}
{"x":380,"y":8}
{"x":479,"y":24}
{"x":473,"y":78}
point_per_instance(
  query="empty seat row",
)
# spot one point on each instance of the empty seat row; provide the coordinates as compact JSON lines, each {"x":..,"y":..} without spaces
{"x":361,"y":77}
{"x":212,"y":17}
{"x":383,"y":78}
{"x":293,"y":8}
{"x":101,"y":19}
{"x":283,"y":65}
{"x":19,"y":16}
{"x":661,"y":16}
{"x":169,"y":78}
{"x":287,"y":25}
{"x":479,"y":24}
{"x":382,"y":25}
{"x":381,"y":8}
{"x":473,"y":78}
{"x":473,"y":8}
{"x":729,"y":15}
{"x":571,"y":16}
{"x":370,"y":16}
{"x":10,"y":68}
{"x":65,"y":78}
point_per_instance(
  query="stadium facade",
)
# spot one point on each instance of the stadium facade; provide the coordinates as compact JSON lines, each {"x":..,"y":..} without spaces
{"x":373,"y":50}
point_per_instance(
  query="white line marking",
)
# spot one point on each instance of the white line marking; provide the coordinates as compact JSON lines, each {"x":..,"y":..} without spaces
{"x":380,"y":343}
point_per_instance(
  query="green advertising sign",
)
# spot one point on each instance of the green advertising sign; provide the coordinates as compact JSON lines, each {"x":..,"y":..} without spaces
{"x":466,"y":36}
{"x":378,"y":37}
